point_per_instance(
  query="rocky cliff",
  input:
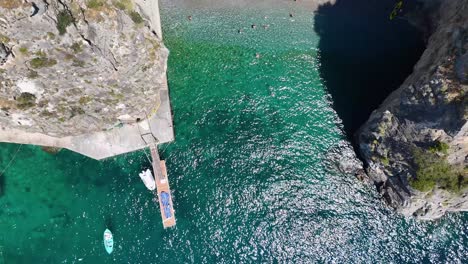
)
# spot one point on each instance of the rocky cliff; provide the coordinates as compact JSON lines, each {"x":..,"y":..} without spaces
{"x":70,"y":67}
{"x":415,"y":145}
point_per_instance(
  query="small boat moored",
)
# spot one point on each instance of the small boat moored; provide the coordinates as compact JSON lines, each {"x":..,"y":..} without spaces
{"x":148,"y":179}
{"x":108,"y":241}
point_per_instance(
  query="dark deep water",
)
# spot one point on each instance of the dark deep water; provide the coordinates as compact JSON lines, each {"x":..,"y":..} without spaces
{"x":364,"y":55}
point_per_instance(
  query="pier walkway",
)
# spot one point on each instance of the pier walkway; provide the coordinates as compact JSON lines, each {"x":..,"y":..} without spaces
{"x":162,"y":187}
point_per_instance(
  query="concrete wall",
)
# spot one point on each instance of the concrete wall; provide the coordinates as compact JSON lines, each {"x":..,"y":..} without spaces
{"x":150,"y":8}
{"x":105,"y":144}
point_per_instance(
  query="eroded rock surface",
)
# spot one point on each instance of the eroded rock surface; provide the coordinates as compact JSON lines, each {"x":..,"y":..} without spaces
{"x":74,"y":67}
{"x":416,"y":143}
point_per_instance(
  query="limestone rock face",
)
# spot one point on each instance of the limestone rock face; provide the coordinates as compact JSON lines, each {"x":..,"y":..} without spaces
{"x":416,"y":144}
{"x":70,"y":67}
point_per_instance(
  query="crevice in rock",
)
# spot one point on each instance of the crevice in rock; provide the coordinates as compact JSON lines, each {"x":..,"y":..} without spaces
{"x":5,"y":52}
{"x":112,"y":61}
{"x":35,"y":9}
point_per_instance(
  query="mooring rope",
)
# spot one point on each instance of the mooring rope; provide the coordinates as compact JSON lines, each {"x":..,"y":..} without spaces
{"x":13,"y":158}
{"x":146,"y":154}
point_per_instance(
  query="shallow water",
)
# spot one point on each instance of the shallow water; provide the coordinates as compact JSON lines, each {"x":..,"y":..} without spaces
{"x":253,"y":168}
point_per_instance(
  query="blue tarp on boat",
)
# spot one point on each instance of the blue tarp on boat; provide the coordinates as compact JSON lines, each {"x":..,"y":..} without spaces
{"x":165,"y":198}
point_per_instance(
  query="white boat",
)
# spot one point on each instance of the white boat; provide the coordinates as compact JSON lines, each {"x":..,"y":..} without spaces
{"x":108,"y":241}
{"x":148,"y":179}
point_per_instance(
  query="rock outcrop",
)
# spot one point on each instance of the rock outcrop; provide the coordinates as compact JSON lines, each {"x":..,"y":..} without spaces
{"x":70,"y":67}
{"x":415,"y":145}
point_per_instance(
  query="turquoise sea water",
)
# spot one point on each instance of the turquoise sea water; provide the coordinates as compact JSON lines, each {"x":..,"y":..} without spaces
{"x":253,"y":168}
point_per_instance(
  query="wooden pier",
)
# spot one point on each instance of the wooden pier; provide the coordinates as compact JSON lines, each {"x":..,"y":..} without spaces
{"x":162,"y":186}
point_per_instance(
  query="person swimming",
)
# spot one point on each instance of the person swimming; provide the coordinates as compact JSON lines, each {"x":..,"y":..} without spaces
{"x":189,"y":18}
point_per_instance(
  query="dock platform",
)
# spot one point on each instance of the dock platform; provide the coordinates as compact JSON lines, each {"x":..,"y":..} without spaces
{"x":163,"y":191}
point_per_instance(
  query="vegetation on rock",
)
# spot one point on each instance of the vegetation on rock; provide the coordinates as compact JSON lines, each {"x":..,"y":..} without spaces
{"x":439,"y":146}
{"x":4,"y":39}
{"x":434,"y":170}
{"x":11,"y":4}
{"x":95,"y":4}
{"x":64,"y":19}
{"x":50,"y":35}
{"x":77,"y":47}
{"x":41,"y":62}
{"x":84,"y":100}
{"x":32,"y":74}
{"x":124,"y":5}
{"x":78,"y":63}
{"x":26,"y":100}
{"x":50,"y":150}
{"x":136,"y":17}
{"x":23,"y":50}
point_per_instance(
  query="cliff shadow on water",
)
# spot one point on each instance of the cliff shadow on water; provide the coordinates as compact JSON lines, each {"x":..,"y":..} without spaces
{"x":364,"y":55}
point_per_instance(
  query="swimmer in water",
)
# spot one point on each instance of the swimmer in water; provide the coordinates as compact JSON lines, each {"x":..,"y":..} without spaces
{"x":254,"y":26}
{"x":189,"y":18}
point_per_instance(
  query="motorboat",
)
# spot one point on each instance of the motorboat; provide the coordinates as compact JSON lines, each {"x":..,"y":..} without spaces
{"x":108,"y":241}
{"x":148,"y":179}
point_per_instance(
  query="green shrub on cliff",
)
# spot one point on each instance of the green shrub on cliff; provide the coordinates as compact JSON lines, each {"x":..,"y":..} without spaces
{"x":26,"y":100}
{"x":123,"y":4}
{"x":41,"y":62}
{"x":434,"y":170}
{"x":4,"y":39}
{"x":64,"y":19}
{"x":76,"y":47}
{"x":439,"y":146}
{"x":24,"y":50}
{"x":136,"y":17}
{"x":95,"y":4}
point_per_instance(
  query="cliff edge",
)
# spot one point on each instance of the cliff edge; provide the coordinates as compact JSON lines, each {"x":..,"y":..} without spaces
{"x":72,"y":67}
{"x":415,"y":145}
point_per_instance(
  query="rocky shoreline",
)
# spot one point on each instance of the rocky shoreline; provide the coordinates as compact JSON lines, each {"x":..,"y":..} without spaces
{"x":415,"y":145}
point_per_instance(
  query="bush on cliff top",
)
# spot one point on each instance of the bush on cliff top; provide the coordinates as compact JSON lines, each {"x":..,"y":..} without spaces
{"x":434,"y":170}
{"x":64,"y":19}
{"x":41,"y":62}
{"x":26,"y":100}
{"x":123,"y":4}
{"x":136,"y":17}
{"x":439,"y":146}
{"x":95,"y":4}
